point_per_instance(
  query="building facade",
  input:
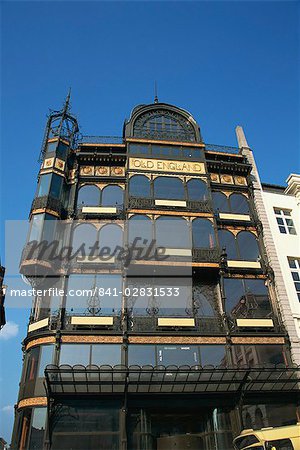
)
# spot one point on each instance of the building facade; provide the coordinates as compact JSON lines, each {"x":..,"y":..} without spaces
{"x":282,"y":206}
{"x":2,"y":297}
{"x":167,"y":332}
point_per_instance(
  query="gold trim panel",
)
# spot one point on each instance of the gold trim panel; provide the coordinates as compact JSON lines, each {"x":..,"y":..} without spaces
{"x":92,"y":320}
{"x":175,"y":322}
{"x":40,"y":341}
{"x":257,"y":340}
{"x":176,"y":340}
{"x":254,"y":323}
{"x":33,"y":401}
{"x":91,"y":339}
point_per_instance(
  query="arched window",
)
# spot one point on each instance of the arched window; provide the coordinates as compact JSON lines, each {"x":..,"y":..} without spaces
{"x":169,"y":188}
{"x":204,"y":299}
{"x":139,"y":186}
{"x":111,"y":236}
{"x":203,"y":233}
{"x":247,"y":245}
{"x":140,"y":228}
{"x":112,"y":196}
{"x":172,"y":232}
{"x":88,"y":195}
{"x":164,"y":125}
{"x":239,"y":204}
{"x":220,"y":202}
{"x":84,"y":237}
{"x":197,"y":190}
{"x":227,"y":240}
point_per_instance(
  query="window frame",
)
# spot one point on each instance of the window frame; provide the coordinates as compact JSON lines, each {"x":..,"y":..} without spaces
{"x":295,"y":270}
{"x":283,"y":214}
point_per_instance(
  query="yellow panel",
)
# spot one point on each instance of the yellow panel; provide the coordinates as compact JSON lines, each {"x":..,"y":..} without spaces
{"x":254,"y":323}
{"x":169,"y":322}
{"x":37,"y":325}
{"x":244,"y":264}
{"x":92,"y":320}
{"x":99,"y":209}
{"x":226,"y":216}
{"x":178,"y":252}
{"x":98,"y":260}
{"x":181,"y":203}
{"x":163,"y":165}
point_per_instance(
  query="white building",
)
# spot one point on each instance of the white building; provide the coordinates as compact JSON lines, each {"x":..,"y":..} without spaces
{"x":278,"y":210}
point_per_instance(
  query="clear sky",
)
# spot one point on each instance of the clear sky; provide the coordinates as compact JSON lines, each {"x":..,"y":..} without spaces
{"x":228,"y":63}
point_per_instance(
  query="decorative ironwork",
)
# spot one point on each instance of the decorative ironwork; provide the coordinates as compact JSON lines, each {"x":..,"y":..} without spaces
{"x":221,"y":148}
{"x":204,"y":206}
{"x":140,"y":202}
{"x":94,"y":305}
{"x":48,"y":202}
{"x":206,"y":255}
{"x":164,"y":125}
{"x":100,"y":140}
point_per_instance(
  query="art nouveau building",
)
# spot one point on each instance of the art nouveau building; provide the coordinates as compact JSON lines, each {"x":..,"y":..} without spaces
{"x":184,"y":348}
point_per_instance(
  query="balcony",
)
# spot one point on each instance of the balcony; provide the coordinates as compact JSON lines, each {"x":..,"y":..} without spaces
{"x":48,"y":203}
{"x":165,"y":325}
{"x":171,"y":205}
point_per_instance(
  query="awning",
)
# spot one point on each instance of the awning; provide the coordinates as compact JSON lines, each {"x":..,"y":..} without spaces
{"x":68,"y":380}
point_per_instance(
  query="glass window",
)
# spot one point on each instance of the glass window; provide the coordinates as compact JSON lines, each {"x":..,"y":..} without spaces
{"x":204,"y":299}
{"x":220,"y":202}
{"x":44,"y":184}
{"x":36,"y":227}
{"x":197,"y":190}
{"x":141,"y":355}
{"x":46,"y":357}
{"x":51,"y":146}
{"x":281,"y":444}
{"x":62,"y":149}
{"x":227,"y":240}
{"x":177,"y":355}
{"x":95,"y":295}
{"x":111,"y":236}
{"x":294,"y":264}
{"x":284,"y":221}
{"x":88,"y":195}
{"x":140,"y":228}
{"x":169,"y":188}
{"x":203,"y":233}
{"x":75,"y":354}
{"x":84,"y":237}
{"x":106,"y":354}
{"x":247,"y":298}
{"x":112,"y":196}
{"x":139,"y":149}
{"x":32,"y":363}
{"x":38,"y":426}
{"x":212,"y":355}
{"x":56,"y":185}
{"x":247,"y":245}
{"x":49,"y":227}
{"x":255,"y":355}
{"x":172,"y":232}
{"x":139,"y":186}
{"x":239,"y":204}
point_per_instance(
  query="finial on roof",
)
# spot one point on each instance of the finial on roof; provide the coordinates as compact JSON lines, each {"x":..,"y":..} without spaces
{"x":155,"y":90}
{"x":67,"y":101}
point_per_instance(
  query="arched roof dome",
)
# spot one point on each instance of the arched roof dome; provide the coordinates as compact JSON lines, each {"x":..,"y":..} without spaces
{"x":161,"y":121}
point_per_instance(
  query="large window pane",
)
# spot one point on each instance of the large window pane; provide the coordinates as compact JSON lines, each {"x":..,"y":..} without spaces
{"x":44,"y":184}
{"x":141,"y":355}
{"x":36,"y":227}
{"x":38,"y":426}
{"x":46,"y":357}
{"x":84,"y":237}
{"x":177,"y":355}
{"x":172,"y":232}
{"x":255,"y":355}
{"x":220,"y":202}
{"x":88,"y":195}
{"x":227,"y":241}
{"x":239,"y":204}
{"x":56,"y":186}
{"x":197,"y":190}
{"x":139,"y":186}
{"x":112,"y":196}
{"x":212,"y":355}
{"x":248,"y":247}
{"x":111,"y":236}
{"x":140,"y":227}
{"x":168,"y":188}
{"x":203,"y":233}
{"x":106,"y":354}
{"x":75,"y":354}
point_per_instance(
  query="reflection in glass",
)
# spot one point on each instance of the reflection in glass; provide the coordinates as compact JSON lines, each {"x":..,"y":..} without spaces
{"x":203,"y":233}
{"x":239,"y":204}
{"x":248,"y":247}
{"x":227,"y":240}
{"x":88,"y":195}
{"x":38,"y":425}
{"x":197,"y":190}
{"x":169,"y":188}
{"x":220,"y":202}
{"x":172,"y":232}
{"x":139,"y":186}
{"x":112,"y":196}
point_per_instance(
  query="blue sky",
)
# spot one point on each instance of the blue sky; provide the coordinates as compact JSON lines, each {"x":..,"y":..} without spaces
{"x":228,"y":63}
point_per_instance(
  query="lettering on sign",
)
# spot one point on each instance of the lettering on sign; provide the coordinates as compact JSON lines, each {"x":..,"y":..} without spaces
{"x":163,"y":165}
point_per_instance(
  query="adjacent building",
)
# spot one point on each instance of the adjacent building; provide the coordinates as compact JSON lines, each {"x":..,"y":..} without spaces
{"x":2,"y":297}
{"x":167,"y":332}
